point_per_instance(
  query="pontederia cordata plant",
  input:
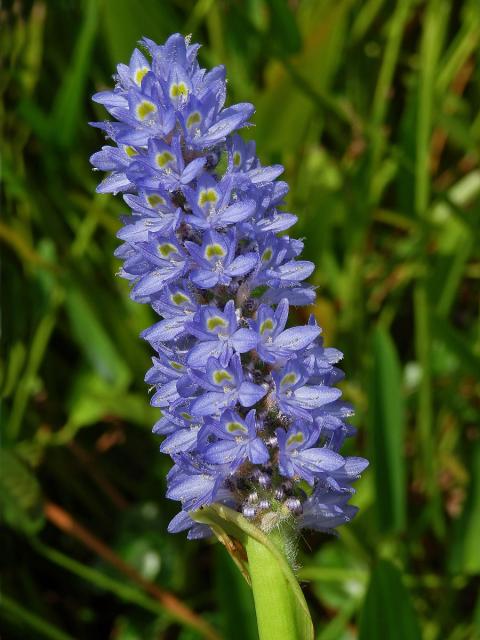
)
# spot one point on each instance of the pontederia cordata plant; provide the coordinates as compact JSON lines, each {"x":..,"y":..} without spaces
{"x":251,"y":414}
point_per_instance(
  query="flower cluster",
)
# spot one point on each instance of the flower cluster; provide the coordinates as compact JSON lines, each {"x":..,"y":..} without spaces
{"x":249,"y":407}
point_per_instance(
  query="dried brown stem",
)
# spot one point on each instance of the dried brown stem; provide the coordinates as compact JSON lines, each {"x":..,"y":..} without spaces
{"x":175,"y":607}
{"x":88,"y":461}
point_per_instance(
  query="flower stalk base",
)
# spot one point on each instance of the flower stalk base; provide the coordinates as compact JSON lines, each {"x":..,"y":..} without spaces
{"x":274,"y":603}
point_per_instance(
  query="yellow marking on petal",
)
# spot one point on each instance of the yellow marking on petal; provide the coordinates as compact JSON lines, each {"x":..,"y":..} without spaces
{"x":267,"y":325}
{"x":176,"y":365}
{"x":193,"y":118}
{"x":296,"y":437}
{"x":206,"y":196}
{"x":233,"y":427}
{"x":154,"y":200}
{"x":267,"y":255}
{"x":144,"y":109}
{"x":289,"y":378}
{"x":237,"y":159}
{"x":214,"y":322}
{"x":166,"y":249}
{"x":178,"y":89}
{"x":131,"y":151}
{"x":221,"y":375}
{"x":140,"y":74}
{"x":179,"y":298}
{"x":164,"y":158}
{"x":186,"y":415}
{"x":213,"y":250}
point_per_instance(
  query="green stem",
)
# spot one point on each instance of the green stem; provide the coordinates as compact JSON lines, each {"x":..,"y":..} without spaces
{"x":23,"y":617}
{"x":282,"y":612}
{"x":271,"y":592}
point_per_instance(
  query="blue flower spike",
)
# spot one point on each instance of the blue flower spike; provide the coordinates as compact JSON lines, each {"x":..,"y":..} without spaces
{"x":250,"y":413}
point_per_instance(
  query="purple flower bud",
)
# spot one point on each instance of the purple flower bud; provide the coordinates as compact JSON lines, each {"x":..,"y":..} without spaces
{"x":294,"y":505}
{"x":264,"y":480}
{"x":249,"y":511}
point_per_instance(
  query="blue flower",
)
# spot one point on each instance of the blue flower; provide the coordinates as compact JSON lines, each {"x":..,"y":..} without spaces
{"x":224,"y":386}
{"x":243,"y":161}
{"x":159,"y":261}
{"x":194,"y":482}
{"x":295,"y":397}
{"x":332,"y":423}
{"x":218,"y":335}
{"x":298,"y":458}
{"x":177,"y":306}
{"x":116,"y":160}
{"x":211,"y":205}
{"x":163,"y":166}
{"x":204,"y":125}
{"x":274,"y":341}
{"x":237,"y":442}
{"x":168,"y":373}
{"x":247,"y":403}
{"x":215,"y":262}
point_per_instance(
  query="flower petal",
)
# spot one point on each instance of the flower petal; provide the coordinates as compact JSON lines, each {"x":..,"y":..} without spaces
{"x":249,"y":393}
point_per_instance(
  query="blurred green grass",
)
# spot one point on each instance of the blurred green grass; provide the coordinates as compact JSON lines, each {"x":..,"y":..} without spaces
{"x":372,"y":106}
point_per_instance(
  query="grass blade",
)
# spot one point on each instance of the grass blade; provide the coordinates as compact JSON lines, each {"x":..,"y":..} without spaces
{"x":387,"y":415}
{"x":71,"y":97}
{"x":387,"y":611}
{"x":23,"y":617}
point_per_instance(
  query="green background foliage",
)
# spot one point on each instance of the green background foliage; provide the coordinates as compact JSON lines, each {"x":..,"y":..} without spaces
{"x":372,"y":106}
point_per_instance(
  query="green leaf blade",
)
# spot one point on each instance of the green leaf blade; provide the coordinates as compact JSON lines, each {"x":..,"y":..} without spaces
{"x":387,"y":611}
{"x":387,"y":417}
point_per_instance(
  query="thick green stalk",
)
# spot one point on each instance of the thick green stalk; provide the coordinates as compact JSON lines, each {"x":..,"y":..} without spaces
{"x":282,"y":612}
{"x":274,"y":603}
